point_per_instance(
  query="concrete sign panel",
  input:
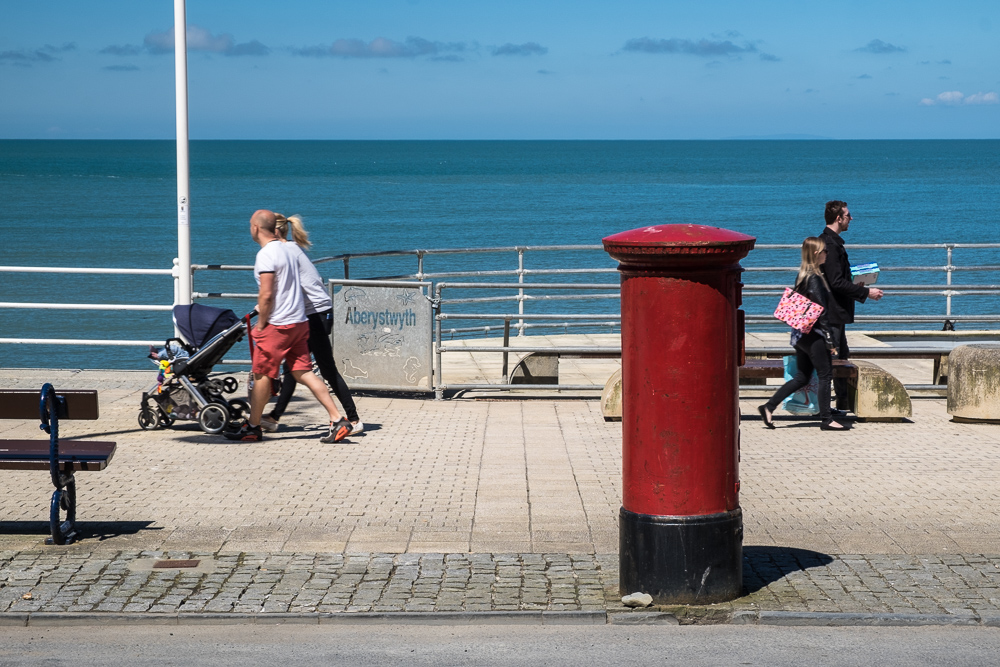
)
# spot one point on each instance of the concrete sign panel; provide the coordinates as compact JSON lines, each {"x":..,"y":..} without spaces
{"x":382,"y":334}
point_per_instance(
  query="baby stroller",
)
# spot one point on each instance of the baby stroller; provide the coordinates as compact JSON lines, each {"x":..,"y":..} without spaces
{"x":183,"y":389}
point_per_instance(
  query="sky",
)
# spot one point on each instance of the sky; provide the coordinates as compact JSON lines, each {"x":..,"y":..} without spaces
{"x":545,"y":69}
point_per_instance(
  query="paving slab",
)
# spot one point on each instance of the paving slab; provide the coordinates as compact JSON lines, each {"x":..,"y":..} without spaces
{"x":469,"y":505}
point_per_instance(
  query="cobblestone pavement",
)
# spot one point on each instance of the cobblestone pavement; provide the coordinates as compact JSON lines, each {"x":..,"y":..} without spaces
{"x":960,"y":588}
{"x":517,"y":494}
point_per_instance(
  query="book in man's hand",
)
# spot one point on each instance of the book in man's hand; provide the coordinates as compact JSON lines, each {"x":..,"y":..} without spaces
{"x":865,"y":274}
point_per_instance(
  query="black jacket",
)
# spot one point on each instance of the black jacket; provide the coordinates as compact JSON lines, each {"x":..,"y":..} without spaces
{"x":813,"y":289}
{"x":837,"y":270}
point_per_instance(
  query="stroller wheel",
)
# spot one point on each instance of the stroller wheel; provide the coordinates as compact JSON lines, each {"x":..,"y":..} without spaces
{"x":239,"y":409}
{"x":166,"y":420}
{"x":148,"y":419}
{"x":230,"y":385}
{"x":213,"y":418}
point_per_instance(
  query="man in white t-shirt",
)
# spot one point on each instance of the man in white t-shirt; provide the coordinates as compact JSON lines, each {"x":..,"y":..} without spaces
{"x":281,"y":332}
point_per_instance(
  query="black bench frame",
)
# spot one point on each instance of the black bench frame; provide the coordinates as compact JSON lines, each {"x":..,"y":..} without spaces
{"x":52,"y":407}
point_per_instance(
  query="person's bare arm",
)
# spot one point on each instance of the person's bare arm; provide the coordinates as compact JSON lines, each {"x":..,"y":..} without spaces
{"x":265,"y":300}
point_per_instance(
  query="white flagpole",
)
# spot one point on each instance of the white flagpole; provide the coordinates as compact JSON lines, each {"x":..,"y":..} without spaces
{"x":183,"y":267}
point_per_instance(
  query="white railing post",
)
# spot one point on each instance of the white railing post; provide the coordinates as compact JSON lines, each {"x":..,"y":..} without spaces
{"x":520,"y":292}
{"x":951,"y":248}
{"x":183,"y":174}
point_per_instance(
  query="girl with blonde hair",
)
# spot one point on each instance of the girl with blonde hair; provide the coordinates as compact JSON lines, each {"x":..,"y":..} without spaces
{"x":319,"y":310}
{"x":812,"y":350}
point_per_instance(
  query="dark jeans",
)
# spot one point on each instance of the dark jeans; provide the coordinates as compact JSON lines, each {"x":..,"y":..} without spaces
{"x":810,"y":354}
{"x":320,"y":325}
{"x":840,"y":385}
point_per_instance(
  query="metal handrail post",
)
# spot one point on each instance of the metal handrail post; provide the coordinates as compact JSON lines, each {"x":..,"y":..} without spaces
{"x":506,"y":344}
{"x":436,"y":372}
{"x":177,"y":291}
{"x":520,"y":292}
{"x":174,"y":272}
{"x":948,"y":281}
{"x":420,"y":265}
{"x":347,"y":268}
{"x":183,"y":161}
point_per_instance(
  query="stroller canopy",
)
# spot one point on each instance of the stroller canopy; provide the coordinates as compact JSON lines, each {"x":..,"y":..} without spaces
{"x":198,"y":324}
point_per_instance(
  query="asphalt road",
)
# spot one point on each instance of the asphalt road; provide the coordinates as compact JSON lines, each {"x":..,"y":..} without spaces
{"x":291,"y":645}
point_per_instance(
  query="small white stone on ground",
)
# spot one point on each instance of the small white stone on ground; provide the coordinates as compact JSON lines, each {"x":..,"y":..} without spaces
{"x":637,"y":600}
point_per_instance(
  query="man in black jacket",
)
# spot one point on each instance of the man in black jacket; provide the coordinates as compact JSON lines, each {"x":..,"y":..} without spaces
{"x":837,"y":269}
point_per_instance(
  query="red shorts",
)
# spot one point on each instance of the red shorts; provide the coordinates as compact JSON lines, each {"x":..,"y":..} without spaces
{"x":287,"y":342}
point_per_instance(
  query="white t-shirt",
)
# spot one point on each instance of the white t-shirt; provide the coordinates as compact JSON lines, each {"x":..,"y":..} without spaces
{"x":313,"y":289}
{"x":289,"y":306}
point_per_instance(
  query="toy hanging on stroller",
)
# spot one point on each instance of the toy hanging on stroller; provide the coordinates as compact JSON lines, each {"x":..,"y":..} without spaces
{"x":184,"y":389}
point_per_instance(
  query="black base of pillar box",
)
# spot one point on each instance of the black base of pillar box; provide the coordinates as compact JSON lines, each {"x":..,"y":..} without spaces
{"x":681,"y":560}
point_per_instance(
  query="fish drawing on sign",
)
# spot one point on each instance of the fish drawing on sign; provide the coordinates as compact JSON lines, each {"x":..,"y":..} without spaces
{"x":410,"y":369}
{"x":406,"y":297}
{"x":353,"y":372}
{"x":376,"y":344}
{"x":352,"y":294}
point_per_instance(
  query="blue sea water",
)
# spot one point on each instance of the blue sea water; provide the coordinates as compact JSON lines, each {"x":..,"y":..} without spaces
{"x":112,"y":204}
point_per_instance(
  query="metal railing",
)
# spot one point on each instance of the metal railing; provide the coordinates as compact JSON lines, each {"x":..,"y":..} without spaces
{"x":523,"y":291}
{"x":173,"y":273}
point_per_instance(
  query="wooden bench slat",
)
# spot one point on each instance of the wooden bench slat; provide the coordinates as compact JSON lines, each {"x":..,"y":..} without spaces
{"x":73,"y":454}
{"x":23,"y":404}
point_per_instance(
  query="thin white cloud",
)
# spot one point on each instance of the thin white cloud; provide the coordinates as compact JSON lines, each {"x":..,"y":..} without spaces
{"x":707,"y":48}
{"x":982,"y":98}
{"x":381,"y":47}
{"x":704,"y":48}
{"x":44,"y":54}
{"x":198,"y":39}
{"x":954,"y":98}
{"x":121,"y":50}
{"x":880,"y":47}
{"x":526,"y":49}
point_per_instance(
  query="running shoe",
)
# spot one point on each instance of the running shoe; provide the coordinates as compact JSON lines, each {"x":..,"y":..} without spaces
{"x":245,"y":433}
{"x":269,"y":424}
{"x":357,"y":428}
{"x":338,"y":431}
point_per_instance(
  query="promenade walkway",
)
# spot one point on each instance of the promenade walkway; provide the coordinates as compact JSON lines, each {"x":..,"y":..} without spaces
{"x":490,"y":503}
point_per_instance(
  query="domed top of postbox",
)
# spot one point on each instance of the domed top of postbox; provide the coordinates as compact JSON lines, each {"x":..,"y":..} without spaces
{"x":679,"y":244}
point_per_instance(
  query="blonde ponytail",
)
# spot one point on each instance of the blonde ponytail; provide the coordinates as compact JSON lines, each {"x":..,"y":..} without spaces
{"x":299,"y":233}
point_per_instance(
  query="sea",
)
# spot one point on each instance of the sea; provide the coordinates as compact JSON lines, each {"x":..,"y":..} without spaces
{"x":112,"y":204}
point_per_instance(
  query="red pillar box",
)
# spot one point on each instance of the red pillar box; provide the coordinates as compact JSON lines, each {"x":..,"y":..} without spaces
{"x":681,"y":527}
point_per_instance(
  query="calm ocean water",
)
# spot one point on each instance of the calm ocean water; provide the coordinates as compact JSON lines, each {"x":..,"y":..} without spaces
{"x":112,"y":204}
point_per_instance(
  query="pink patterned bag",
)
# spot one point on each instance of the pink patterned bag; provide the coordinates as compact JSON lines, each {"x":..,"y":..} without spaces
{"x":797,"y":311}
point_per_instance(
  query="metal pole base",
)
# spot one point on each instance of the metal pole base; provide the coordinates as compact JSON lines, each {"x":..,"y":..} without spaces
{"x":681,"y":560}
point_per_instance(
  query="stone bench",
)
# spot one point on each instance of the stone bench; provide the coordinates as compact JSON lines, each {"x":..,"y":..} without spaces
{"x":875,"y":394}
{"x":974,"y":383}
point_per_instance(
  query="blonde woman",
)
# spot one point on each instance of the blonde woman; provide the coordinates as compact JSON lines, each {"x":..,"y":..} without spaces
{"x":813,"y":350}
{"x":319,"y":310}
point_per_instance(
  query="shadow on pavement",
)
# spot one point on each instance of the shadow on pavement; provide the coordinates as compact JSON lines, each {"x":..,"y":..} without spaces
{"x":89,"y":530}
{"x":762,"y":566}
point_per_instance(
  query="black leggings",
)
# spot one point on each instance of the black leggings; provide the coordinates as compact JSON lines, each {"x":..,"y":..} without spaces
{"x":320,"y":325}
{"x":810,"y":354}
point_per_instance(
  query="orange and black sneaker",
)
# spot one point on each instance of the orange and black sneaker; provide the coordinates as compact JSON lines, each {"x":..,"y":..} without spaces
{"x":245,"y":433}
{"x":338,"y":431}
